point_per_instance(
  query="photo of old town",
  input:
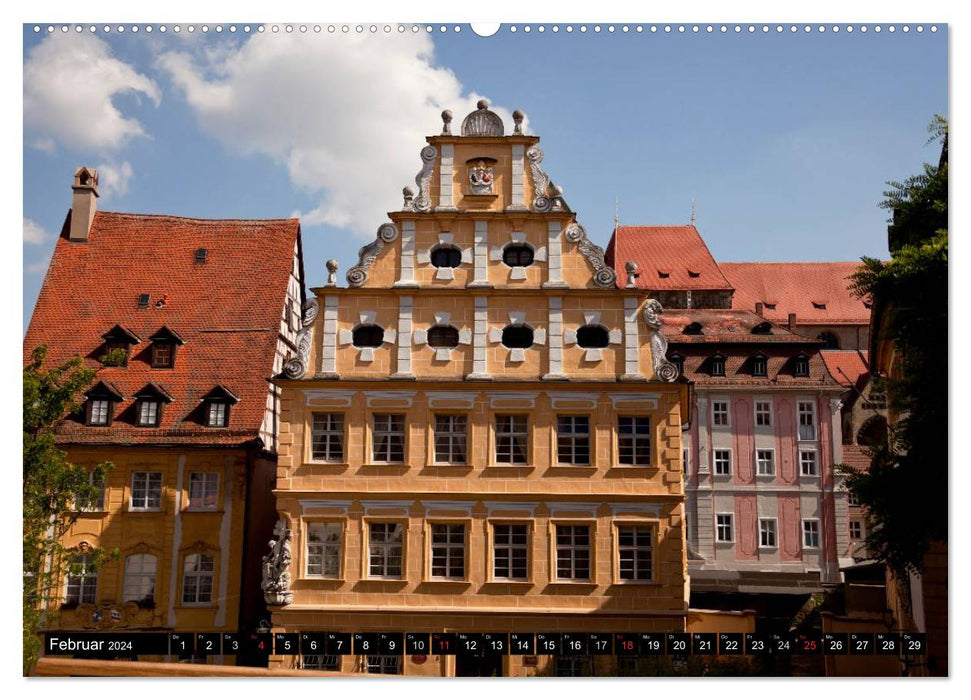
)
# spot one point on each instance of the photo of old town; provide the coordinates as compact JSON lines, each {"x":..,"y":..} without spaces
{"x":601,"y":350}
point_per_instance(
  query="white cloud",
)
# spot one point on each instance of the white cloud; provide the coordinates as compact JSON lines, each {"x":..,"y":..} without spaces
{"x":346,"y":115}
{"x":36,"y":267}
{"x":113,"y":179}
{"x":69,"y":83}
{"x":34,"y":233}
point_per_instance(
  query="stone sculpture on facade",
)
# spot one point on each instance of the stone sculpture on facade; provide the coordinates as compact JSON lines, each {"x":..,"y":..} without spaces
{"x":603,"y":274}
{"x":296,"y":367}
{"x":357,"y":275}
{"x":276,"y":567}
{"x":665,"y":370}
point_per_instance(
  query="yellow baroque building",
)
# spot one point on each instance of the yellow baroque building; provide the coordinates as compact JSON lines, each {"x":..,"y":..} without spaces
{"x":477,"y":436}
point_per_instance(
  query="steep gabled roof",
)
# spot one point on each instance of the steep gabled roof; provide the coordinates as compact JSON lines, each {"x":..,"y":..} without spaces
{"x":848,"y":367}
{"x":227,"y":310}
{"x":669,"y":257}
{"x":817,"y":292}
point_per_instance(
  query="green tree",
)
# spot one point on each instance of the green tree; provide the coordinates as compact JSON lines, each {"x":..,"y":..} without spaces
{"x":906,"y":487}
{"x":54,"y":490}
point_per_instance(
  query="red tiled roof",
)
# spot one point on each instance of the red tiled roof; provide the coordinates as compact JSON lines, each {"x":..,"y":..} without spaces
{"x":847,"y":366}
{"x":227,"y":310}
{"x":738,"y":371}
{"x":725,"y":326}
{"x":794,"y":287}
{"x":669,"y":257}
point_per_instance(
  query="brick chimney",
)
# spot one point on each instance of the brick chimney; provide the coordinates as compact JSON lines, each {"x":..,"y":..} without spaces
{"x":759,"y":308}
{"x":84,"y":203}
{"x":792,"y":321}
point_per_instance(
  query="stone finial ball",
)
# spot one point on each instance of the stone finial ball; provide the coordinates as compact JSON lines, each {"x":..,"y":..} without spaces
{"x":447,"y":116}
{"x":332,"y":265}
{"x":483,"y":104}
{"x":408,"y":191}
{"x":518,"y":115}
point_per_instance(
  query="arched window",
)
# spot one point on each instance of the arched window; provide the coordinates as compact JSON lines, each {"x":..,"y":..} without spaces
{"x":517,"y":255}
{"x":368,"y":336}
{"x":443,"y":337}
{"x":763,"y":328}
{"x":593,"y":337}
{"x":831,"y":340}
{"x":446,"y":256}
{"x":517,"y":336}
{"x":140,"y":579}
{"x":873,"y":433}
{"x":693,"y":328}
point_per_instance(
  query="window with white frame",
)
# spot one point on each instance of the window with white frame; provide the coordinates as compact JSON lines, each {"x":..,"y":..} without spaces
{"x":147,"y":412}
{"x":451,"y":438}
{"x":140,"y":579}
{"x":512,"y":439}
{"x":324,"y":550}
{"x":767,"y":532}
{"x":146,"y":491}
{"x":385,"y":550}
{"x":807,"y":420}
{"x":98,"y":411}
{"x":634,"y":440}
{"x":217,"y":414}
{"x":97,"y":501}
{"x":765,"y":462}
{"x":856,"y":530}
{"x":573,"y":439}
{"x":807,"y":463}
{"x":448,"y":550}
{"x":852,"y":499}
{"x":810,"y":534}
{"x":763,"y":414}
{"x":723,"y":462}
{"x":388,"y":437}
{"x":82,"y":581}
{"x":390,"y":665}
{"x":719,"y":413}
{"x":724,"y":527}
{"x":203,"y":490}
{"x":510,"y":554}
{"x":635,"y":552}
{"x":327,"y":437}
{"x":198,"y":571}
{"x":573,"y":552}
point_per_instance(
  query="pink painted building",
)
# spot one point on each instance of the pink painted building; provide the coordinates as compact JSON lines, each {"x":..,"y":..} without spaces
{"x":764,"y":511}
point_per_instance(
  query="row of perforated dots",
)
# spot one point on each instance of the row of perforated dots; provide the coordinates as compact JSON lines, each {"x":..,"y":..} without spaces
{"x":414,"y":28}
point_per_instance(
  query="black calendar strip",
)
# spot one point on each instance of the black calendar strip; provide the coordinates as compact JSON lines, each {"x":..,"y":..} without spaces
{"x":121,"y":644}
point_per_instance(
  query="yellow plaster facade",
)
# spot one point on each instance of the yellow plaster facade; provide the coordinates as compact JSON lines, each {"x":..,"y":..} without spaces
{"x":480,"y":441}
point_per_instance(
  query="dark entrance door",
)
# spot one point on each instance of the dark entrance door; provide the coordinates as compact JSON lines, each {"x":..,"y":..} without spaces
{"x":478,"y":664}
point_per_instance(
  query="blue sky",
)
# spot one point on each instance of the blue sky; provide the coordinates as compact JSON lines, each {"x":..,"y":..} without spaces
{"x":784,"y":140}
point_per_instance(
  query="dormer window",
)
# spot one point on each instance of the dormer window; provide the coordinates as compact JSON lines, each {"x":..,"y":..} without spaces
{"x":678,"y":361}
{"x":663,"y":274}
{"x":694,"y":274}
{"x":517,"y":255}
{"x":819,"y":304}
{"x":770,"y":305}
{"x":164,"y":343}
{"x":216,"y":406}
{"x":716,"y":366}
{"x":117,"y":346}
{"x":99,"y":407}
{"x":760,"y":366}
{"x":763,"y":328}
{"x":693,"y":328}
{"x":368,"y":336}
{"x":800,"y":366}
{"x":446,"y":256}
{"x":148,"y":406}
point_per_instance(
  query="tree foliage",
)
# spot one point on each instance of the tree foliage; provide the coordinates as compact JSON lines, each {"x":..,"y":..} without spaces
{"x":54,"y":490}
{"x":905,"y":490}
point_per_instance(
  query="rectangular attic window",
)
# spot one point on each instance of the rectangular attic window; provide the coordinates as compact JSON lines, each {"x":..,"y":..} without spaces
{"x":201,"y":254}
{"x":143,"y":301}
